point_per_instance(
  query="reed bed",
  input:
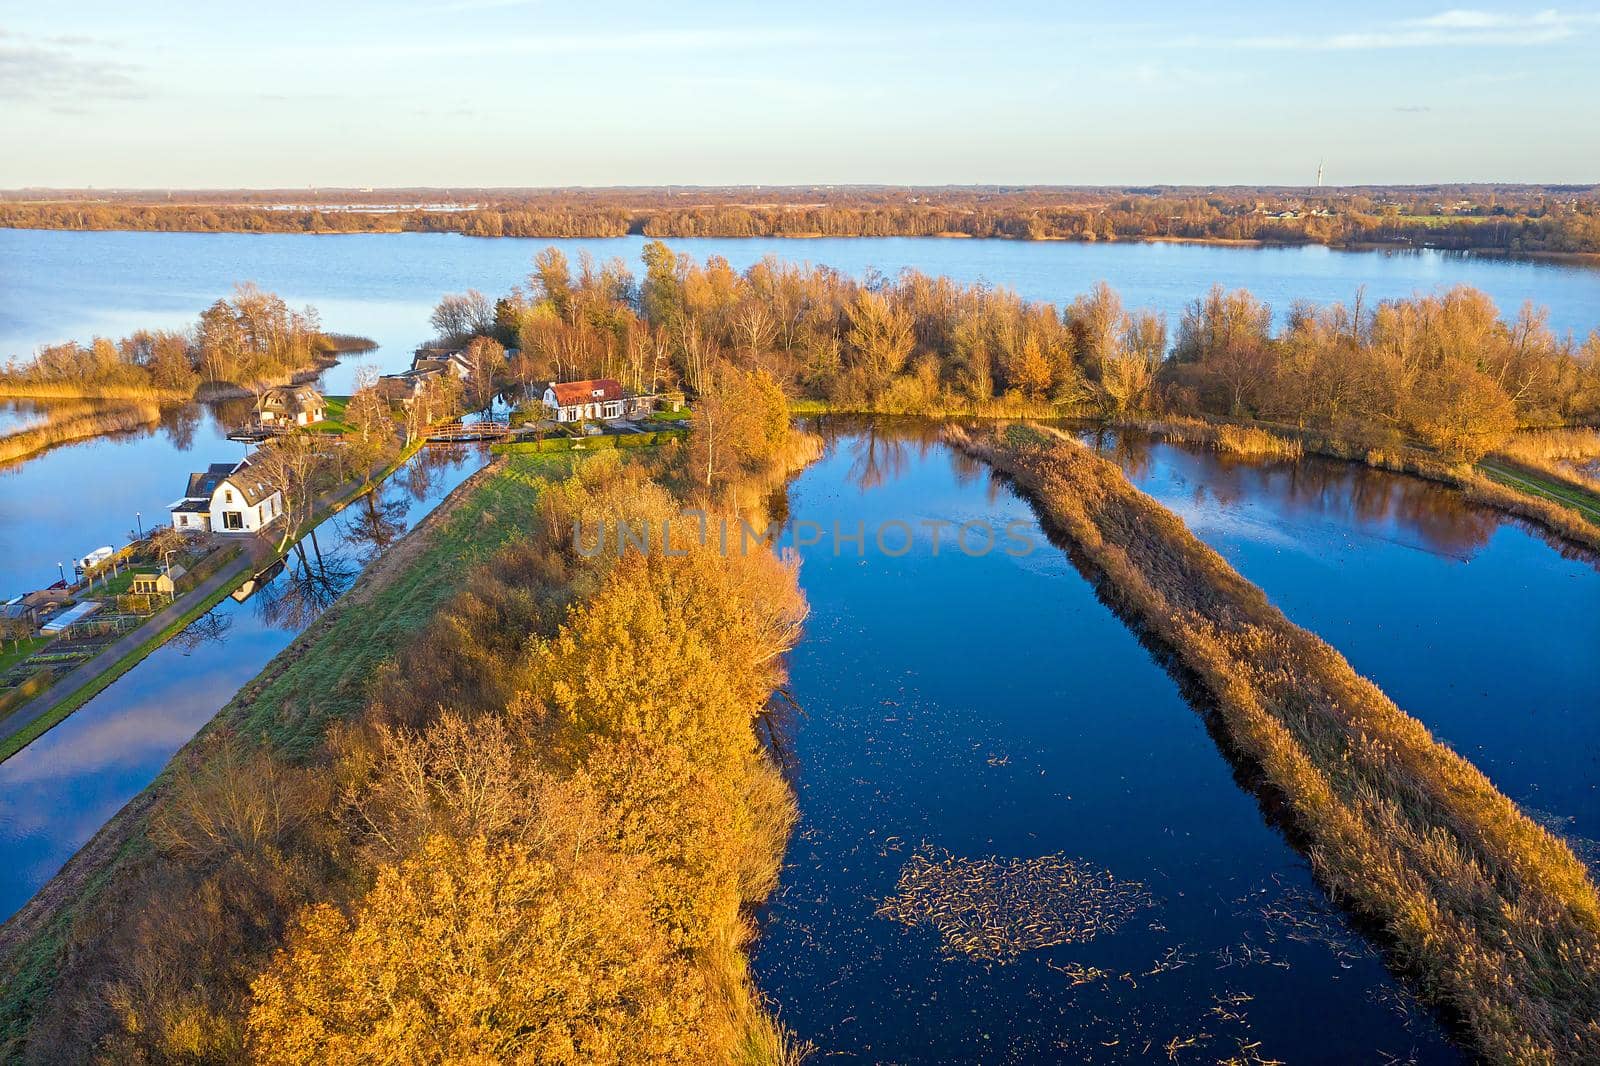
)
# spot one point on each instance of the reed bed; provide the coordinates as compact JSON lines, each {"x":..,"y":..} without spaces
{"x":81,"y":423}
{"x":1250,"y":441}
{"x":1543,"y":445}
{"x":1568,"y":456}
{"x":18,"y":388}
{"x":1494,"y":917}
{"x":993,"y":910}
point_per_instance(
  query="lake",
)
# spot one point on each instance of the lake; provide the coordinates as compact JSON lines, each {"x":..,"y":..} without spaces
{"x":956,"y":708}
{"x":59,"y":285}
{"x":1467,"y":619}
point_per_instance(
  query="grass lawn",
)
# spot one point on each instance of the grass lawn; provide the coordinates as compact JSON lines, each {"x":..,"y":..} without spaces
{"x":11,"y":656}
{"x":333,"y":421}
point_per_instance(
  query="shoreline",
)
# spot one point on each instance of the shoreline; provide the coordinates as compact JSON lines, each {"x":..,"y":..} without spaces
{"x":1571,"y":258}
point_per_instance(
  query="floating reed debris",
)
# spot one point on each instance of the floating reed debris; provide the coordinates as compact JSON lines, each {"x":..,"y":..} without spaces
{"x":994,"y":910}
{"x":1493,"y":915}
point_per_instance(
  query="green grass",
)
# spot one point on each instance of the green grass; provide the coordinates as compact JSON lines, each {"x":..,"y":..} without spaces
{"x":333,"y":421}
{"x":1584,"y":503}
{"x":324,"y":675}
{"x":11,"y":656}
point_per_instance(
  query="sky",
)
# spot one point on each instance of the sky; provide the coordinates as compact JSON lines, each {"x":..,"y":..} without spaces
{"x":615,"y":92}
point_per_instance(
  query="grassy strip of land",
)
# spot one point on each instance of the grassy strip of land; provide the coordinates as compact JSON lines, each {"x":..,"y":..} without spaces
{"x":1494,"y":917}
{"x":14,"y":388}
{"x":600,"y":442}
{"x":1523,"y":480}
{"x":322,"y":675}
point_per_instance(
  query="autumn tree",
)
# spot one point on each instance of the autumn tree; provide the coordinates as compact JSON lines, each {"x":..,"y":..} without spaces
{"x":458,"y":318}
{"x":486,"y":361}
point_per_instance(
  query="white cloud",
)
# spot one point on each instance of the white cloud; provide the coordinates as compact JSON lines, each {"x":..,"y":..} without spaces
{"x":570,"y":44}
{"x":58,"y":73}
{"x":1455,"y":28}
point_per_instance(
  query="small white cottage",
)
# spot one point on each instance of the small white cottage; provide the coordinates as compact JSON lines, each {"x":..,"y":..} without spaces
{"x":227,"y":498}
{"x":291,"y":405}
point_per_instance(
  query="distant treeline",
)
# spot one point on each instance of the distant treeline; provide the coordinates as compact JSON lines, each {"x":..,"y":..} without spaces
{"x":1512,"y":219}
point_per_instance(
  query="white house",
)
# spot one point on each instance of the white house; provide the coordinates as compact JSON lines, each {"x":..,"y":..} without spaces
{"x":227,"y":498}
{"x":291,"y":405}
{"x":576,"y":401}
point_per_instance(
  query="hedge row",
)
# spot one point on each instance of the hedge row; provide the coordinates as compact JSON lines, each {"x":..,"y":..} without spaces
{"x":588,"y":444}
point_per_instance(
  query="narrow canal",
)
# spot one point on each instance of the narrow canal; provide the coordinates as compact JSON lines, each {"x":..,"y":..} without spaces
{"x":57,"y":792}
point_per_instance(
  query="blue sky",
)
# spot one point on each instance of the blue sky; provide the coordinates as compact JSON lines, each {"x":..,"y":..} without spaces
{"x":506,"y":92}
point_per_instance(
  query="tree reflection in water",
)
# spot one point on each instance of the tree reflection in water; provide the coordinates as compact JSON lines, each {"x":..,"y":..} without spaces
{"x":375,"y":523}
{"x":179,"y":422}
{"x":309,"y":585}
{"x":1437,"y":518}
{"x":416,"y":477}
{"x":212,"y":627}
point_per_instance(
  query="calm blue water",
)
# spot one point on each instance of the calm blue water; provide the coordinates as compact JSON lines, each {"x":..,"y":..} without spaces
{"x":65,"y":503}
{"x":992,"y":706}
{"x":1469,"y":621}
{"x":58,"y":791}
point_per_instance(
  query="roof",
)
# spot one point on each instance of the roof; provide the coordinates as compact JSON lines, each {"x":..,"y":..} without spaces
{"x":575,"y":392}
{"x":251,"y":485}
{"x":76,"y":613}
{"x":290,"y":399}
{"x":203,"y":484}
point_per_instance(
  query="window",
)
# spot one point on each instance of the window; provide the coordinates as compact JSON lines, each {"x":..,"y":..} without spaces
{"x":232,"y":520}
{"x":227,"y":495}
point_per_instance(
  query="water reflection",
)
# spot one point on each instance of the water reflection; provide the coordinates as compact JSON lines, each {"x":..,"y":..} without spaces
{"x":310,"y":582}
{"x":992,"y":707}
{"x":1429,"y":595}
{"x":212,"y":627}
{"x":1426,"y":515}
